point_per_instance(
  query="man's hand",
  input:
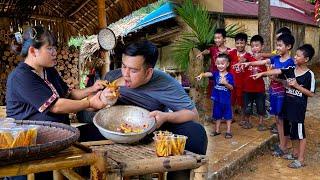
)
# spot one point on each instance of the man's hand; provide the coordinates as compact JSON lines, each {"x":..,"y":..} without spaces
{"x":160,"y":117}
{"x":95,"y":101}
{"x":108,"y":96}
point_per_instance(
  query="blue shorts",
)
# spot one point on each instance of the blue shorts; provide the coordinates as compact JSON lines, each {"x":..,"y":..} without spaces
{"x":276,"y":102}
{"x":221,"y":111}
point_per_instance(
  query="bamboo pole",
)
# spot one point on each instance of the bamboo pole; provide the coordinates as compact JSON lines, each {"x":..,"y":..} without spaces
{"x":70,"y":174}
{"x":57,"y":175}
{"x":30,"y":177}
{"x":102,"y":19}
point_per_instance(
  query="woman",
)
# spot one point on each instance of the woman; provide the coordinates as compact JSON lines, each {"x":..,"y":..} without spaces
{"x":36,"y":91}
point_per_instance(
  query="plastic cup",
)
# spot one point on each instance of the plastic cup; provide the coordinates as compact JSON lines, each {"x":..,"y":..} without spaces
{"x":178,"y":143}
{"x":163,"y":146}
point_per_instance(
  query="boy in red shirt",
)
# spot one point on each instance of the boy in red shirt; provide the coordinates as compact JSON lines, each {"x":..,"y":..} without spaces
{"x":218,"y":48}
{"x":254,"y":89}
{"x":239,"y":55}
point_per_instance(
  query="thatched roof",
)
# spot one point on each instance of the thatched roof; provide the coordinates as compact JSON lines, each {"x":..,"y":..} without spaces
{"x":68,"y":17}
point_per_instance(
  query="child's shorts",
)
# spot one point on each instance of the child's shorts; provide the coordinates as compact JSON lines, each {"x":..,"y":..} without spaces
{"x":294,"y":130}
{"x":221,"y":111}
{"x":258,"y":98}
{"x":276,"y":102}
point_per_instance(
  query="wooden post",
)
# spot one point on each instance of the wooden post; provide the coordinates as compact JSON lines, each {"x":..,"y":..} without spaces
{"x":57,"y":175}
{"x":201,"y":173}
{"x":102,"y":20}
{"x":30,"y":177}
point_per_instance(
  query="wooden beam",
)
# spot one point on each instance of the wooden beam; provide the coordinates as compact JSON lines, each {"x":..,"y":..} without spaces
{"x":50,"y":18}
{"x":80,"y":7}
{"x":102,"y":14}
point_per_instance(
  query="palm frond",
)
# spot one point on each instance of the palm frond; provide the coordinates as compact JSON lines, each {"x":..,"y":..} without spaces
{"x":233,"y":29}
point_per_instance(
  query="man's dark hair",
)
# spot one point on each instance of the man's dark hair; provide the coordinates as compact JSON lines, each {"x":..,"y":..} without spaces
{"x":287,"y":39}
{"x":224,"y":56}
{"x":143,"y":48}
{"x":221,"y":31}
{"x":307,"y":50}
{"x":283,"y":30}
{"x":257,"y":38}
{"x":241,"y":36}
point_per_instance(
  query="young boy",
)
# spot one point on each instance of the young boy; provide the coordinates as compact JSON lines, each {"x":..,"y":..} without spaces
{"x":239,"y":55}
{"x":218,"y":48}
{"x":301,"y":85}
{"x":254,"y":89}
{"x":276,"y":89}
{"x":221,"y":94}
{"x":283,"y":30}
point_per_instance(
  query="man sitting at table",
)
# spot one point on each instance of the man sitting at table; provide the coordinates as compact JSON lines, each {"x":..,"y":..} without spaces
{"x":142,"y":85}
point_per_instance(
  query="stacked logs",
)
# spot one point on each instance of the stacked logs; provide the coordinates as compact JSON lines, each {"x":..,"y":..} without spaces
{"x":9,"y":60}
{"x":4,"y":36}
{"x":67,"y":65}
{"x":68,"y":60}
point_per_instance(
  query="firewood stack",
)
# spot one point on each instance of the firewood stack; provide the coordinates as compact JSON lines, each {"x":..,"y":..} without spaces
{"x":67,"y":66}
{"x":9,"y":60}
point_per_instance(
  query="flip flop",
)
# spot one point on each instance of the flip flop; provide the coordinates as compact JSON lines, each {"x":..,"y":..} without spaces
{"x":228,"y":135}
{"x":296,"y":164}
{"x":289,"y":156}
{"x":247,"y":125}
{"x":214,"y":133}
{"x":278,"y":152}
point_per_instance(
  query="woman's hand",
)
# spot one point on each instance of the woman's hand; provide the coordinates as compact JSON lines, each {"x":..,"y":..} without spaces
{"x":160,"y":117}
{"x":97,"y":86}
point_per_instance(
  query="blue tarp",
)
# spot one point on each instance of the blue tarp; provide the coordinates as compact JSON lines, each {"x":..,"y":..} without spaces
{"x":162,"y":13}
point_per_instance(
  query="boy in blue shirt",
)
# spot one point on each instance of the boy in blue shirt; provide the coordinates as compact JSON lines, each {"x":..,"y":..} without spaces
{"x":221,"y":94}
{"x":301,"y":85}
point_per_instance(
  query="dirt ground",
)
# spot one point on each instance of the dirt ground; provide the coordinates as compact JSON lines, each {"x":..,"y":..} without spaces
{"x":269,"y":167}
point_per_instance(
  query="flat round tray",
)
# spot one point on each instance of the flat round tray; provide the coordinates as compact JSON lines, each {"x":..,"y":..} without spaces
{"x":52,"y":137}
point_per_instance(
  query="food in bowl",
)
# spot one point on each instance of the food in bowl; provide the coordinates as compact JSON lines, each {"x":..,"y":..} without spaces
{"x":126,"y":128}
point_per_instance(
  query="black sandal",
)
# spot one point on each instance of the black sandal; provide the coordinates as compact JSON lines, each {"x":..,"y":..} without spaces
{"x":228,"y":135}
{"x":214,"y":133}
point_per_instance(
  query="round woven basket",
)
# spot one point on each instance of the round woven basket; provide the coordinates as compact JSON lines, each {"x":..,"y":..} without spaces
{"x":51,"y":138}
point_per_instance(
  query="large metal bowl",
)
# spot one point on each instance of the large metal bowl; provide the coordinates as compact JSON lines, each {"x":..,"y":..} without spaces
{"x":108,"y":120}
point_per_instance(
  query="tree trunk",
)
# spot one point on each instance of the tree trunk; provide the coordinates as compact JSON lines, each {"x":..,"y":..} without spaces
{"x":264,"y":26}
{"x":197,"y":93}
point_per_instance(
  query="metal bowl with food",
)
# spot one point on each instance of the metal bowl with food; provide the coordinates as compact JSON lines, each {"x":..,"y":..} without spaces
{"x":124,"y":124}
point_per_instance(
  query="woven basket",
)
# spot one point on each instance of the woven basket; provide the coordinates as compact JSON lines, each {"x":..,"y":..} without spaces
{"x":52,"y":137}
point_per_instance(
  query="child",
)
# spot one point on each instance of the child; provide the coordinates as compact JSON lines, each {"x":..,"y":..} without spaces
{"x":221,"y":94}
{"x":218,"y":48}
{"x":283,"y":30}
{"x":254,"y":90}
{"x":301,"y":85}
{"x":239,"y":55}
{"x":276,"y":90}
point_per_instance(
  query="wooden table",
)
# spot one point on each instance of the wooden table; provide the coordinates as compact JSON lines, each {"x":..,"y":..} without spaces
{"x":110,"y":161}
{"x":61,"y":164}
{"x":129,"y":160}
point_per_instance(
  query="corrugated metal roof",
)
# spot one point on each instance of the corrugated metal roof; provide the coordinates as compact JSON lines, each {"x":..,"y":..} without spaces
{"x":237,"y":7}
{"x":301,"y":4}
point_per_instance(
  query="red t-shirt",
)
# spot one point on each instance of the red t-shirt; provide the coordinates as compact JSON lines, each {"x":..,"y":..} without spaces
{"x":250,"y":84}
{"x":237,"y":72}
{"x":214,"y":52}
